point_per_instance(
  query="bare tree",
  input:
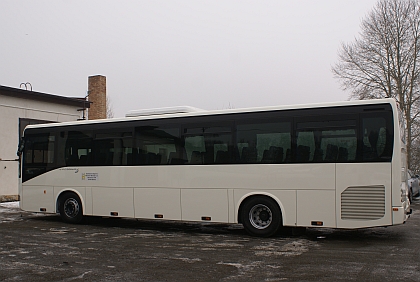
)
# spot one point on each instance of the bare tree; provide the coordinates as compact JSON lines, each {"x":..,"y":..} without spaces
{"x":415,"y":156}
{"x":109,"y":109}
{"x":384,"y":61}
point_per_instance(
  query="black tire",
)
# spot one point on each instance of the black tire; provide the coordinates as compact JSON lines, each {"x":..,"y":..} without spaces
{"x":70,"y":207}
{"x":261,"y":216}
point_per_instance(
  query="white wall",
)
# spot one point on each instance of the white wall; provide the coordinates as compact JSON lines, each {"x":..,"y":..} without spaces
{"x":11,"y":109}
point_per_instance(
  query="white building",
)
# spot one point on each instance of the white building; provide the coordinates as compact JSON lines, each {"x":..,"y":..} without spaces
{"x":19,"y":108}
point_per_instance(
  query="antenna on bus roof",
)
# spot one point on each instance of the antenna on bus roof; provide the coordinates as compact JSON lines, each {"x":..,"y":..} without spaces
{"x":163,"y":111}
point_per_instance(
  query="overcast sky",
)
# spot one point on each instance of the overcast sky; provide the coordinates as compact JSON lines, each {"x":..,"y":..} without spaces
{"x":205,"y":54}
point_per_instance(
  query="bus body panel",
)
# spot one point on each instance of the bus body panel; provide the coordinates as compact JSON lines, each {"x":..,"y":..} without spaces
{"x":315,"y":206}
{"x":400,"y":214}
{"x":365,"y":200}
{"x":315,"y":191}
{"x":113,"y":201}
{"x":205,"y":204}
{"x":113,"y":192}
{"x":306,"y":198}
{"x":37,"y":197}
{"x":400,"y":202}
{"x":88,"y":208}
{"x":152,"y":202}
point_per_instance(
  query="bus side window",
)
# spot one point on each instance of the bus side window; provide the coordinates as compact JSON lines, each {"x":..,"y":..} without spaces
{"x":209,"y":145}
{"x":195,"y":149}
{"x":40,"y":150}
{"x":377,"y":140}
{"x":339,"y":145}
{"x":155,"y":145}
{"x":326,"y":141}
{"x":263,"y":142}
{"x":77,"y":148}
{"x":38,"y":155}
{"x":305,"y":147}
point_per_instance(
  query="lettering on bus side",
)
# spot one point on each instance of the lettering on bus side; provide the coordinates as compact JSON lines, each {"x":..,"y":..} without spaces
{"x":90,"y":176}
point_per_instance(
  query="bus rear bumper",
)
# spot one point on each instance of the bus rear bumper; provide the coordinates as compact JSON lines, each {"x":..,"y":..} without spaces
{"x":400,"y":214}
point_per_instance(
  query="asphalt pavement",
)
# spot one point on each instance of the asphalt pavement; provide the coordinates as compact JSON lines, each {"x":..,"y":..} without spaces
{"x":36,"y":247}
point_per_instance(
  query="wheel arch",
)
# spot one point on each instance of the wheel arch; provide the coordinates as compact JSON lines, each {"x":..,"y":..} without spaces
{"x":249,"y":196}
{"x":64,"y":191}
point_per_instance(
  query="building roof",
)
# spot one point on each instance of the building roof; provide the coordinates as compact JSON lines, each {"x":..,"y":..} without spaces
{"x":33,"y":95}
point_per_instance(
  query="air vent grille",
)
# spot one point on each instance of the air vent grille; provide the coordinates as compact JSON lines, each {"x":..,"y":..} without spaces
{"x":363,"y":203}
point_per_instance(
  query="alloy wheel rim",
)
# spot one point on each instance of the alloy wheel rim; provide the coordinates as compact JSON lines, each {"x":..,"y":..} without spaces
{"x":260,"y":216}
{"x":71,"y":208}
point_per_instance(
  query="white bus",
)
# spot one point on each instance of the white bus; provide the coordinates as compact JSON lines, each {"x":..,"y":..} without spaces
{"x":335,"y":165}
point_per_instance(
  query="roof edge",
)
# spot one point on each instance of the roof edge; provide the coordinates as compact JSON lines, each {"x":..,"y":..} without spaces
{"x":45,"y":97}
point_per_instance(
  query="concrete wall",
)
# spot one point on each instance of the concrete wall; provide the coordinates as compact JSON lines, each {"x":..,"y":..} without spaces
{"x":11,"y":109}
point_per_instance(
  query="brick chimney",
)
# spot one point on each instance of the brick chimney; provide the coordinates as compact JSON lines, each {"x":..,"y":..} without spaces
{"x":97,"y":95}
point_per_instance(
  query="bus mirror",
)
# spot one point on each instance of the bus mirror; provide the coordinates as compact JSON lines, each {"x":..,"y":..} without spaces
{"x":20,"y":146}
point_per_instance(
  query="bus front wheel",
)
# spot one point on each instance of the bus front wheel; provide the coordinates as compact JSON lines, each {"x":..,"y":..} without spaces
{"x":70,"y":207}
{"x":261,"y":216}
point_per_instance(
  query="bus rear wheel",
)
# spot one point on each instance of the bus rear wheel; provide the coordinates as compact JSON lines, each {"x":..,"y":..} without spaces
{"x":70,"y":208}
{"x":261,"y":216}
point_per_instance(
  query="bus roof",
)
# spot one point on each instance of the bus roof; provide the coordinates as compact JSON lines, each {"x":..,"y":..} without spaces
{"x":160,"y":113}
{"x":163,"y":111}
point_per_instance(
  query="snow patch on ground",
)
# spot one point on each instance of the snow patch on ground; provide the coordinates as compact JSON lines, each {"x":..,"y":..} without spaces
{"x":9,"y":211}
{"x":9,"y":205}
{"x":295,"y":248}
